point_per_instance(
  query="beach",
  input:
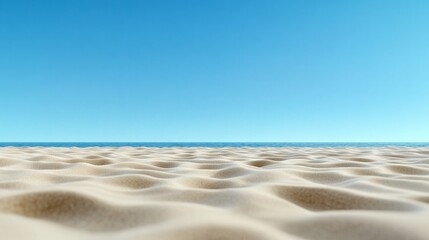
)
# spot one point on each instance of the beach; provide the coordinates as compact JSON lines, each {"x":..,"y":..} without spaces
{"x":214,"y":193}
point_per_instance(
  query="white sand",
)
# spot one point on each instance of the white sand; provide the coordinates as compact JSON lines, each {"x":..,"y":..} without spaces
{"x":209,"y":193}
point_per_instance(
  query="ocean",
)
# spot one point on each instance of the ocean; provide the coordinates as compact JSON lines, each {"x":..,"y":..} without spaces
{"x":214,"y":144}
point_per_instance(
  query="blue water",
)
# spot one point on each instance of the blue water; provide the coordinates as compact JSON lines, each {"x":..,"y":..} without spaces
{"x":210,"y":144}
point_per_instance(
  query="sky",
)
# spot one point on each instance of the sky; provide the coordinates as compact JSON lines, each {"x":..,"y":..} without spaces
{"x":222,"y":71}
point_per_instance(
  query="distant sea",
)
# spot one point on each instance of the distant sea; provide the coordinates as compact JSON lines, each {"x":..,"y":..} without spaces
{"x":213,"y":144}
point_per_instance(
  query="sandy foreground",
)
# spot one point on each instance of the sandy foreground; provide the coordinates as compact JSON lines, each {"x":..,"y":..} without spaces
{"x":214,"y":193}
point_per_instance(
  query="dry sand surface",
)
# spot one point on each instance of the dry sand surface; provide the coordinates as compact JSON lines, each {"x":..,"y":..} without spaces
{"x":214,"y":193}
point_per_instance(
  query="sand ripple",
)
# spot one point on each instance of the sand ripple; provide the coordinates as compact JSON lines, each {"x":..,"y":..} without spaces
{"x":214,"y":193}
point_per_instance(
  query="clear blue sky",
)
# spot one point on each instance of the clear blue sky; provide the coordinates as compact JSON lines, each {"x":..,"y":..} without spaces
{"x":214,"y":70}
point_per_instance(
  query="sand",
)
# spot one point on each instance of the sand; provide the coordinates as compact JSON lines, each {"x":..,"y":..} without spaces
{"x":214,"y":193}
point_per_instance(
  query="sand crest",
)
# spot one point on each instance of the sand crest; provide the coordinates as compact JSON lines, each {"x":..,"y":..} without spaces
{"x":214,"y":193}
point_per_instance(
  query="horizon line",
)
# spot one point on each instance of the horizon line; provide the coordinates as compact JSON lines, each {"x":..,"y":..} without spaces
{"x":213,"y":142}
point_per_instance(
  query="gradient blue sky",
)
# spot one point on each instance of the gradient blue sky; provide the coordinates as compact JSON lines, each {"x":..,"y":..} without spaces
{"x":214,"y":70}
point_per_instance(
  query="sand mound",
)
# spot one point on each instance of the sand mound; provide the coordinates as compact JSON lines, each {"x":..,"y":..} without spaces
{"x":214,"y":193}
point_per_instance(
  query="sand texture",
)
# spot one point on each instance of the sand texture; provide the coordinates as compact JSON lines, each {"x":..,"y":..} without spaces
{"x":214,"y":193}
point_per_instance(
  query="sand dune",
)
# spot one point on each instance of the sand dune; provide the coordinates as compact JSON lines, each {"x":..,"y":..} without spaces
{"x":214,"y":193}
